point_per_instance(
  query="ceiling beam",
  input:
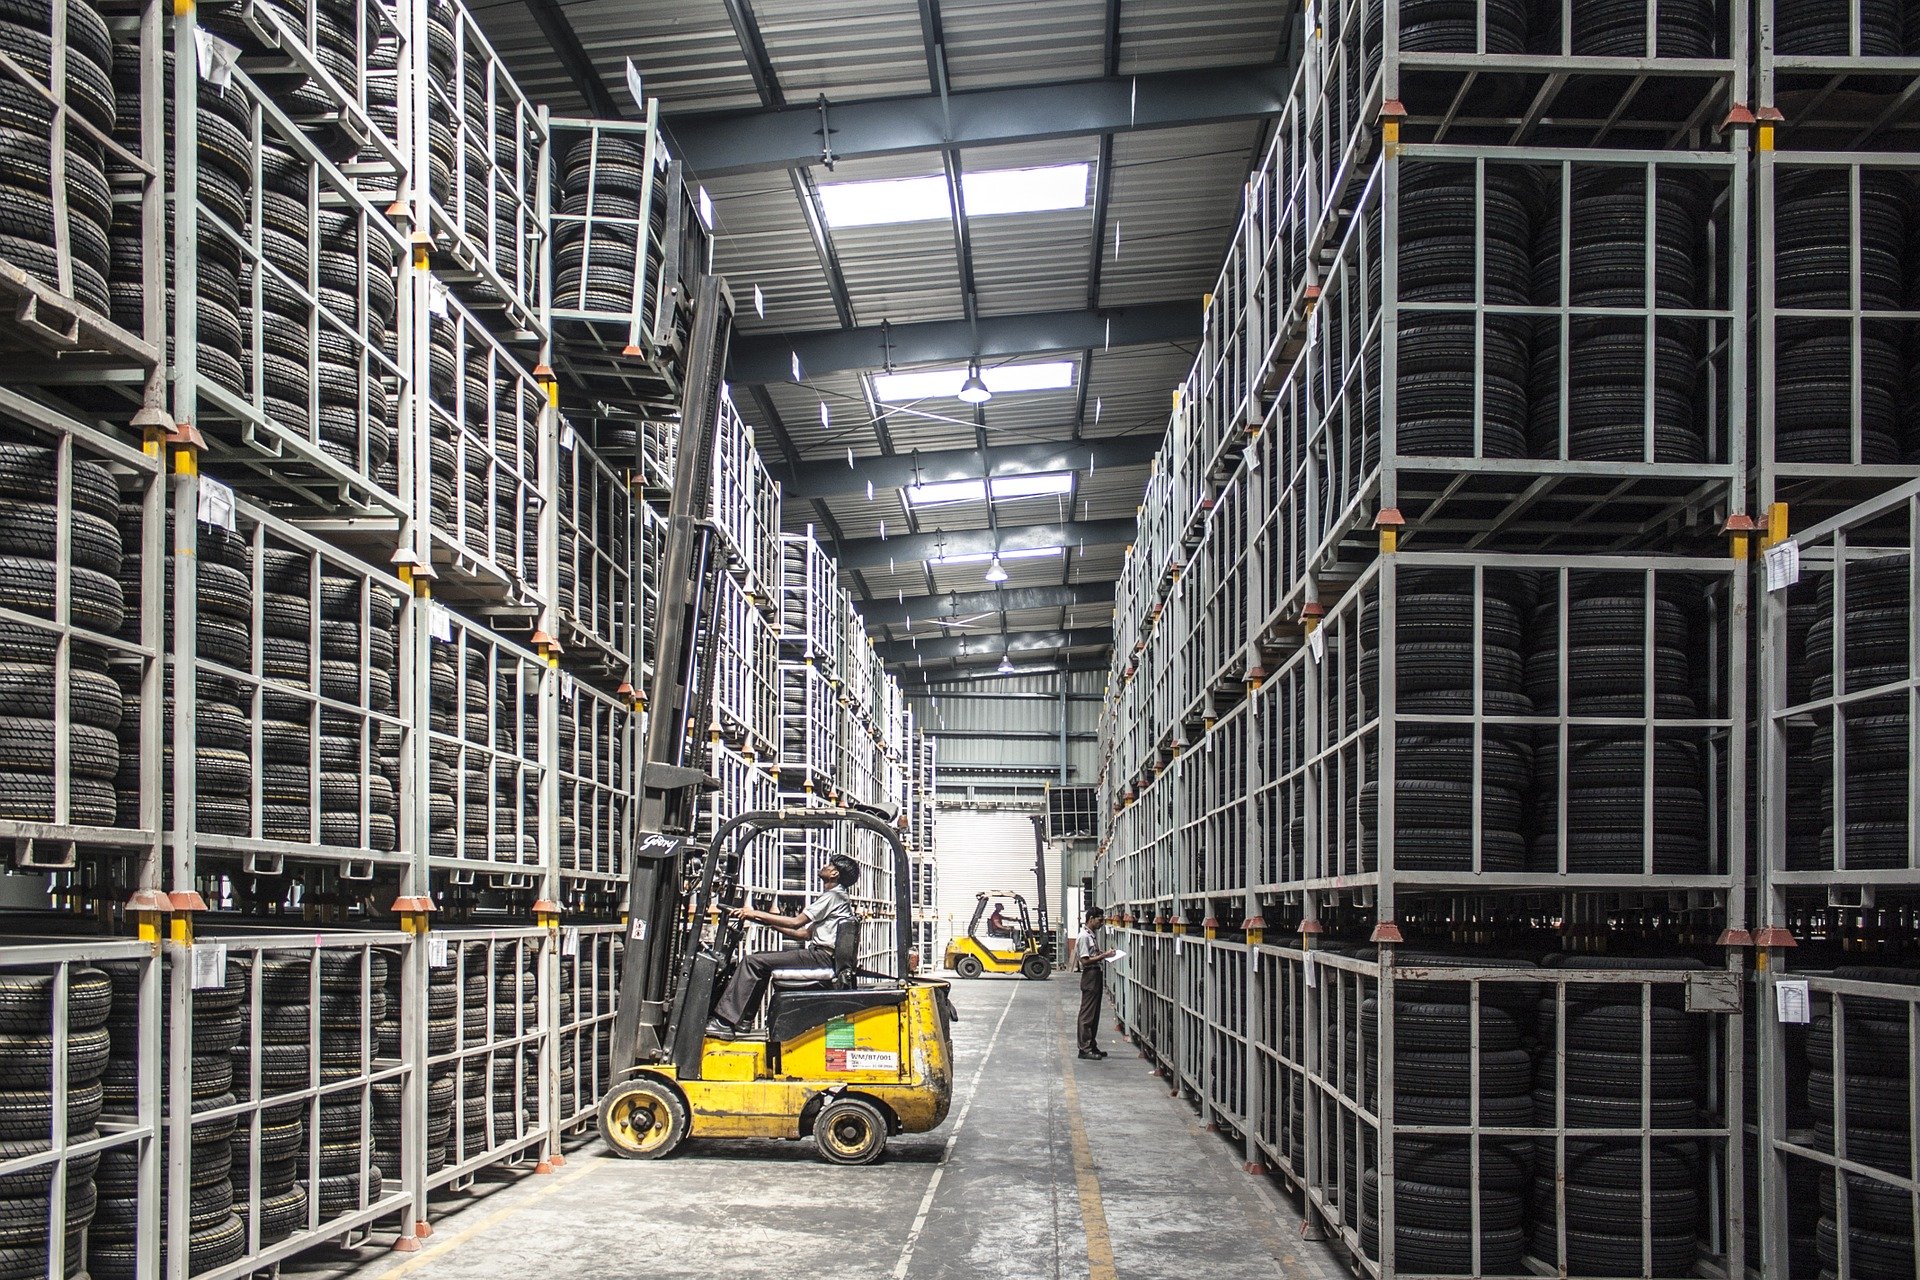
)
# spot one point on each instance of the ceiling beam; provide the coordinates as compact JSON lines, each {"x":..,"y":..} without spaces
{"x":937,"y":683}
{"x":764,"y":358}
{"x":873,"y":553}
{"x":835,"y":479}
{"x":964,"y":604}
{"x":746,"y":31}
{"x":1012,"y":645}
{"x":715,"y":144}
{"x":574,"y":58}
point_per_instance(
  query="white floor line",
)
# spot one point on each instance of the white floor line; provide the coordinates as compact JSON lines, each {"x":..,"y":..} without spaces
{"x":960,"y":1121}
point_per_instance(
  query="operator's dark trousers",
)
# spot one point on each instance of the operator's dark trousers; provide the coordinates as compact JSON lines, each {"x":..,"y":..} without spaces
{"x":1093,"y":985}
{"x":750,"y":978}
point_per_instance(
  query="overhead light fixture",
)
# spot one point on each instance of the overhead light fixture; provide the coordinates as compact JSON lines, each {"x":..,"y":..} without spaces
{"x":1006,"y":666}
{"x":989,"y":193}
{"x":974,"y":389}
{"x":943,"y":491}
{"x":981,"y":557}
{"x":996,"y":572}
{"x":1045,"y":485}
{"x":942,"y":384}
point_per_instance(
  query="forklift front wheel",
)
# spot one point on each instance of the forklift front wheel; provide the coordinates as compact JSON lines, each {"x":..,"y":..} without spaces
{"x":967,"y":966}
{"x":643,"y":1119}
{"x":850,"y":1131}
{"x":1036,"y":967}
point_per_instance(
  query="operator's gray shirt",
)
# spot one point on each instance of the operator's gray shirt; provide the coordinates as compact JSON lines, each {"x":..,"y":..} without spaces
{"x":826,"y":914}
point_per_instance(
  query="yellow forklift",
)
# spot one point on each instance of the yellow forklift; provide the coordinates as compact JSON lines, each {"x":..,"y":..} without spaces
{"x":998,"y":943}
{"x":847,"y":1056}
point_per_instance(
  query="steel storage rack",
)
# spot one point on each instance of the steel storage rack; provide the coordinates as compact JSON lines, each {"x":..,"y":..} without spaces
{"x":629,"y":242}
{"x":1837,"y":894}
{"x":1425,"y":771}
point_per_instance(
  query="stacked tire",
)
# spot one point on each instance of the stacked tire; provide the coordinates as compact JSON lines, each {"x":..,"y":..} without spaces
{"x":499,"y":1089}
{"x":1608,"y":1046}
{"x":443,"y":1034}
{"x":29,"y":221}
{"x":1877,"y":616}
{"x":1606,"y":768}
{"x":1823,"y":28}
{"x":27,"y":1112}
{"x":215,"y":1235}
{"x":594,"y":268}
{"x":223,"y":763}
{"x":1875,"y":1064}
{"x":1437,"y":642}
{"x":1618,"y":29}
{"x":348,"y":1039}
{"x":1434,"y":1072}
{"x":30,"y":576}
{"x":1815,"y":243}
{"x":358,"y":758}
{"x":225,"y":176}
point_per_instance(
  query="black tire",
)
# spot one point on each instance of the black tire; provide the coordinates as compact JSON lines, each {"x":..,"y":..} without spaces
{"x":26,"y":1000}
{"x":850,"y":1131}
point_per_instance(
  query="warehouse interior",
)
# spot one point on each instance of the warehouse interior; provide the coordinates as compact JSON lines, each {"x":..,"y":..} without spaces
{"x":596,"y":593}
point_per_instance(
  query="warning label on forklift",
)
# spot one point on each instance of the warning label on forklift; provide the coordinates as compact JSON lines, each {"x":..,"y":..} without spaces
{"x":842,"y":1056}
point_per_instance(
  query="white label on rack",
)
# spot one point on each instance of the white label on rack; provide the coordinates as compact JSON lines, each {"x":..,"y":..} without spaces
{"x":439,"y":621}
{"x":566,"y":436}
{"x":1783,"y":565}
{"x":216,"y":504}
{"x":759,"y":303}
{"x":1317,"y":642}
{"x":566,"y":687}
{"x":436,"y":951}
{"x":216,"y":58}
{"x":1312,"y":971}
{"x":636,"y":87}
{"x":210,"y":965}
{"x":570,"y":941}
{"x":437,"y":295}
{"x":1795,"y":1005}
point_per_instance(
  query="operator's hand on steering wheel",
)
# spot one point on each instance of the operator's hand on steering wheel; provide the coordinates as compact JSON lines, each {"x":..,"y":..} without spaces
{"x":738,"y":913}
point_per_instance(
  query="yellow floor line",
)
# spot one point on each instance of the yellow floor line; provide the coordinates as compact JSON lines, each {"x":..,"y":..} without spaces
{"x":1093,"y":1214}
{"x":437,"y":1248}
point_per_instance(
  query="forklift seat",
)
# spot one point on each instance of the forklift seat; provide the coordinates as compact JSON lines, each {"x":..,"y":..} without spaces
{"x":843,"y":975}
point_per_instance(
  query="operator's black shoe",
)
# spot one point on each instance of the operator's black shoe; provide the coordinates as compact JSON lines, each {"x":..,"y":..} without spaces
{"x":718,"y":1030}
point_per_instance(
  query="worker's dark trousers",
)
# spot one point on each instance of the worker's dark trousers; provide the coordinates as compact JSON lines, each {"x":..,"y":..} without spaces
{"x":1093,"y":985}
{"x":750,"y":978}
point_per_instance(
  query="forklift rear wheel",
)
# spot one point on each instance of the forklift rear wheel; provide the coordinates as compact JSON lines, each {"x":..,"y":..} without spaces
{"x":643,"y":1119}
{"x":850,"y":1131}
{"x":967,"y":966}
{"x":1035,"y":967}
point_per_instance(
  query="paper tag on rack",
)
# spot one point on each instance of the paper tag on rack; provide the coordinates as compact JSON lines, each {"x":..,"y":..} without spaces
{"x":1783,"y":565}
{"x":437,"y":294}
{"x":436,"y":951}
{"x":1317,"y":642}
{"x":570,"y":940}
{"x":439,"y":622}
{"x":216,"y":58}
{"x":216,"y":504}
{"x":566,"y":436}
{"x":1795,"y":1004}
{"x":210,"y":965}
{"x":1312,"y":971}
{"x":566,"y":687}
{"x":636,"y":87}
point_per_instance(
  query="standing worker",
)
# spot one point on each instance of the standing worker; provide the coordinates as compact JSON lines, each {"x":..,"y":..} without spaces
{"x":1092,"y":958}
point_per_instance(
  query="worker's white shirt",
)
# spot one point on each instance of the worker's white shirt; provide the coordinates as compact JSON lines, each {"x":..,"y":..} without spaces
{"x":1086,"y":945}
{"x":826,"y":914}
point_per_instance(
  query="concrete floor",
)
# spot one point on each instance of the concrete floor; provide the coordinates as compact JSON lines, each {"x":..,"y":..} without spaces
{"x":1047,"y":1167}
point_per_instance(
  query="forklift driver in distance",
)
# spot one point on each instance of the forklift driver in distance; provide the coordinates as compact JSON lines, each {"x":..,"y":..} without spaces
{"x":815,"y":928}
{"x":1092,"y":958}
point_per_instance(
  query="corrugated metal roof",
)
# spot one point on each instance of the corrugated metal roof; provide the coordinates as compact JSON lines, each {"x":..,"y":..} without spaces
{"x":1174,"y":199}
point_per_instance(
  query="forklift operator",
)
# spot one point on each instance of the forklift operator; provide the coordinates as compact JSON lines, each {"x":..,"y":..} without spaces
{"x":816,"y":928}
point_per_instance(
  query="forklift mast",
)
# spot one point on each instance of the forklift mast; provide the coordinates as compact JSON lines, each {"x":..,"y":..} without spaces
{"x":1047,"y":940}
{"x":674,"y":766}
